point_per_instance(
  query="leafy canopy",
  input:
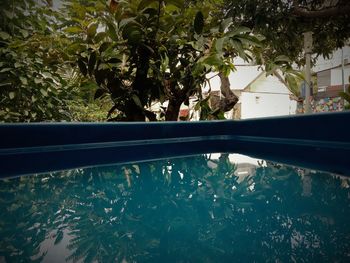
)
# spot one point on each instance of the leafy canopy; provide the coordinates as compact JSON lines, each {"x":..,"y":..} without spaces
{"x":142,"y":52}
{"x":284,"y":22}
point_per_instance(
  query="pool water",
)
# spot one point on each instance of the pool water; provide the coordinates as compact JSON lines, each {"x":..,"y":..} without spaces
{"x":202,"y":208}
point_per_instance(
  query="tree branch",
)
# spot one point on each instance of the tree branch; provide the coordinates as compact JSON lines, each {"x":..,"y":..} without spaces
{"x":323,"y":13}
{"x":230,"y":99}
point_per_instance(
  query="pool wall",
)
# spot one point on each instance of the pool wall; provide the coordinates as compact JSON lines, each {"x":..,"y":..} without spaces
{"x":318,"y":141}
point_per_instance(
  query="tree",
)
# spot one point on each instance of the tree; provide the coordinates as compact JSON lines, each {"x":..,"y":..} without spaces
{"x":141,"y":52}
{"x":283,"y":23}
{"x":38,"y":82}
{"x":31,"y":86}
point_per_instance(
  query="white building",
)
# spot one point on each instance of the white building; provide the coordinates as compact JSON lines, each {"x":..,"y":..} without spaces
{"x":259,"y":95}
{"x":330,"y":71}
{"x":266,"y":96}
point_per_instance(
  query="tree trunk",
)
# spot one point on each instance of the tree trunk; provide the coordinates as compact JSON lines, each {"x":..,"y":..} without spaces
{"x":340,"y":9}
{"x":173,"y":110}
{"x":133,"y":112}
{"x":230,"y":99}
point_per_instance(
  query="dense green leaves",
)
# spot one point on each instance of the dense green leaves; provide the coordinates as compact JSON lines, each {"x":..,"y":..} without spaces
{"x":283,"y":27}
{"x":145,"y":3}
{"x":32,"y":88}
{"x":37,"y":72}
{"x":140,"y":53}
{"x":153,"y":51}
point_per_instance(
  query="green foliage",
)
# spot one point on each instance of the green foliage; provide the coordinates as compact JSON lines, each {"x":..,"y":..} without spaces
{"x":32,"y":88}
{"x":133,"y":54}
{"x":37,"y":80}
{"x":199,"y":22}
{"x":142,"y":52}
{"x":283,"y":28}
{"x":206,"y":113}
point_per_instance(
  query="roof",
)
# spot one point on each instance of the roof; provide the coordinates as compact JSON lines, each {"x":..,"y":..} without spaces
{"x":334,"y":67}
{"x":239,"y":79}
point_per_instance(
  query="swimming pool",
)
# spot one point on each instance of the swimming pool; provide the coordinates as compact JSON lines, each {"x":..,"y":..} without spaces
{"x":202,"y":208}
{"x":155,"y":193}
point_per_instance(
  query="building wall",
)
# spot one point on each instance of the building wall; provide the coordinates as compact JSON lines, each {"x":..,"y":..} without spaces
{"x":336,"y":75}
{"x":329,"y":82}
{"x":256,"y":105}
{"x":324,"y":79}
{"x":333,"y":61}
{"x":265,"y":97}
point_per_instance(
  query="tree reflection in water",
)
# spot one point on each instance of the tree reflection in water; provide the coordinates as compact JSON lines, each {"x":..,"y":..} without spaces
{"x":192,"y":209}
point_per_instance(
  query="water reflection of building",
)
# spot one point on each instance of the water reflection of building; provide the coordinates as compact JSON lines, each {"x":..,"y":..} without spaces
{"x":244,"y":165}
{"x":244,"y":170}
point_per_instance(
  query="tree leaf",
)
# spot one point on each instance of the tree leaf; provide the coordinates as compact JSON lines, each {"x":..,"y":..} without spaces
{"x":137,"y":101}
{"x":113,"y":6}
{"x":345,"y":96}
{"x":114,"y":60}
{"x":104,"y":46}
{"x":225,"y":23}
{"x":100,"y":36}
{"x":24,"y":33}
{"x":197,"y":106}
{"x":37,"y":80}
{"x":99,"y":93}
{"x":5,"y":84}
{"x":114,"y":107}
{"x":177,"y":3}
{"x":5,"y":70}
{"x":219,"y":44}
{"x":282,"y":58}
{"x":237,"y":31}
{"x":12,"y":95}
{"x":213,"y":60}
{"x":59,"y":237}
{"x":24,"y":80}
{"x":127,"y":21}
{"x":92,"y":30}
{"x":249,"y":40}
{"x":199,"y":22}
{"x":82,"y":66}
{"x":73,"y":29}
{"x":293,"y":85}
{"x":239,"y":48}
{"x":44,"y":92}
{"x":111,"y":30}
{"x":4,"y":35}
{"x":92,"y":62}
{"x":145,"y":3}
{"x":132,"y":33}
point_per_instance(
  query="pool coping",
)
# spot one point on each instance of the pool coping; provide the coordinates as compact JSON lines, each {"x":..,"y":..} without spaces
{"x":317,"y":141}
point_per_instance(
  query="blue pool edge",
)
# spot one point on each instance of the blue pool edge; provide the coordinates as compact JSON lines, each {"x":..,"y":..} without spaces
{"x":317,"y":141}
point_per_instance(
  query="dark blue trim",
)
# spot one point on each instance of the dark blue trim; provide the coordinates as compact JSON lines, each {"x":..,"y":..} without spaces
{"x":319,"y":141}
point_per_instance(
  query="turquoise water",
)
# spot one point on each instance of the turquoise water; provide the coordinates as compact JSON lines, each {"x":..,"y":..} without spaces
{"x":193,"y":209}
